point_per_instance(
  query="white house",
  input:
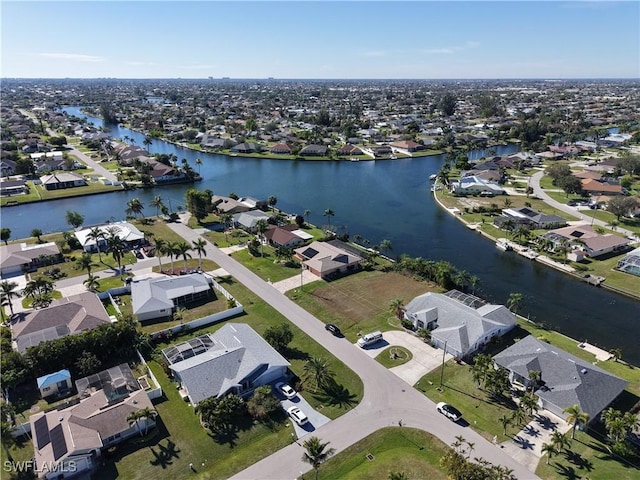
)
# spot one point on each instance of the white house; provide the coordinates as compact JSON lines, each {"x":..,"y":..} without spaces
{"x":123,"y":230}
{"x":475,"y":185}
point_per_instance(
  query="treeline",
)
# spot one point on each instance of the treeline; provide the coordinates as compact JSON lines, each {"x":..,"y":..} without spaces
{"x":83,"y":354}
{"x":440,"y":272}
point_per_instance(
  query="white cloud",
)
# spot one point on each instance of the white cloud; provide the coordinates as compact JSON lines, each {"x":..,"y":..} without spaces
{"x":453,"y":49}
{"x":74,"y":57}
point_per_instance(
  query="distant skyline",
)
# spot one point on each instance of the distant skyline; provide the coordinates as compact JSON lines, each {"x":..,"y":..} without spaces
{"x":320,"y":40}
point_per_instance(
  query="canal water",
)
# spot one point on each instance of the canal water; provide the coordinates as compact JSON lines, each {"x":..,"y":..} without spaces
{"x":377,"y":200}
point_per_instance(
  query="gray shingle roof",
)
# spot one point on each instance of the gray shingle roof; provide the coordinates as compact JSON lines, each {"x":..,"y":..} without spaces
{"x":568,"y":380}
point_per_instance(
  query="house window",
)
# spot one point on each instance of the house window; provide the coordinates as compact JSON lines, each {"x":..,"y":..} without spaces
{"x":46,"y":389}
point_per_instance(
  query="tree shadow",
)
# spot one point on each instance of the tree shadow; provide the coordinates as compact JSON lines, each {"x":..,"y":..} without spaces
{"x":578,"y":460}
{"x":294,"y":353}
{"x":227,"y":432}
{"x":566,"y":471}
{"x":165,"y":454}
{"x":336,"y":394}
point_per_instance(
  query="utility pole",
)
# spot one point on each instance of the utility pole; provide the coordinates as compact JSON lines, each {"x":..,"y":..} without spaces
{"x":444,"y":352}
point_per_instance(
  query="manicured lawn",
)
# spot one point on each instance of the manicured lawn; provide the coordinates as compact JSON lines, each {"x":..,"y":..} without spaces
{"x":228,"y":238}
{"x":605,"y":267}
{"x":459,"y":389}
{"x":360,"y":302}
{"x":69,"y":269}
{"x":157,"y":228}
{"x":626,"y":223}
{"x":587,"y":458}
{"x":414,"y":452}
{"x":267,"y":267}
{"x":394,"y":356}
{"x":27,"y":301}
{"x":90,"y":188}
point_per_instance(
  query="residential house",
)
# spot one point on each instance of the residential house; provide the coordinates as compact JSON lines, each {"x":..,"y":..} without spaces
{"x":249,"y":220}
{"x":65,"y":316}
{"x":247,"y":147}
{"x":594,"y":187}
{"x":328,"y":259}
{"x":474,"y":185}
{"x":7,"y":168}
{"x":16,"y":258}
{"x":314,"y":151}
{"x":566,"y":380}
{"x":234,"y":359}
{"x":57,"y":384}
{"x":406,"y":147}
{"x":349,"y":150}
{"x":69,"y":441}
{"x":123,"y":230}
{"x":585,"y":238}
{"x":57,"y":181}
{"x":630,"y":263}
{"x":228,"y":205}
{"x":13,"y":187}
{"x":159,"y":296}
{"x":459,"y":323}
{"x":280,"y":149}
{"x":281,"y":237}
{"x":531,"y":218}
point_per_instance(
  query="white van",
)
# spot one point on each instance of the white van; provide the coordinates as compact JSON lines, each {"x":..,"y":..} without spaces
{"x":369,"y":339}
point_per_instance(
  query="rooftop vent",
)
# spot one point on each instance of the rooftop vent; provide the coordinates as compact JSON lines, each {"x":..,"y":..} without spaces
{"x":583,"y":371}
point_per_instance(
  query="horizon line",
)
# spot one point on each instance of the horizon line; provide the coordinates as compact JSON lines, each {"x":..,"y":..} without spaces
{"x":210,"y":78}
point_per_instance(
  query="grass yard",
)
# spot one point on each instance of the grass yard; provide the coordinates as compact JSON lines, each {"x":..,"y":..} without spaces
{"x":156,"y":228}
{"x":605,"y":267}
{"x":394,"y":356}
{"x":228,"y":238}
{"x":267,"y":267}
{"x":27,"y":301}
{"x":414,"y":452}
{"x":359,"y":303}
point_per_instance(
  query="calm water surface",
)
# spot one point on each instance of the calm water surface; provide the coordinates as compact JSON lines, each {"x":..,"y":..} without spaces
{"x":377,"y":200}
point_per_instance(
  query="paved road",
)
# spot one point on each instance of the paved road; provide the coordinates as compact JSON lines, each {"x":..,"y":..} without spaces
{"x":540,"y":193}
{"x":387,"y":398}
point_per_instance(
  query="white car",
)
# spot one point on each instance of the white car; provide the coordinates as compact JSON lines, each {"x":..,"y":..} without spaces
{"x":286,"y":390}
{"x":298,"y":415}
{"x":448,"y":411}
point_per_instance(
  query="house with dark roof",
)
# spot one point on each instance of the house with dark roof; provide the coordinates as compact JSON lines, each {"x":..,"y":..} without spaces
{"x":228,"y":205}
{"x":234,"y":359}
{"x":314,"y":151}
{"x":159,"y":296}
{"x":65,"y":316}
{"x":280,"y":149}
{"x":281,"y":237}
{"x":247,"y":147}
{"x":69,"y":441}
{"x":57,"y":181}
{"x":566,"y":380}
{"x":13,"y":187}
{"x":531,"y":218}
{"x":459,"y":323}
{"x":16,"y":258}
{"x":327,"y":260}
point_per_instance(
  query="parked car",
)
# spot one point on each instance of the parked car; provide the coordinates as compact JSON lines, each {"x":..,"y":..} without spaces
{"x":448,"y":411}
{"x":286,"y":390}
{"x":298,"y":415}
{"x":333,"y":329}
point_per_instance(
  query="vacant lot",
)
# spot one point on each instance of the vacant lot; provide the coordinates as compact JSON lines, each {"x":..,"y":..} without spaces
{"x":360,"y":303}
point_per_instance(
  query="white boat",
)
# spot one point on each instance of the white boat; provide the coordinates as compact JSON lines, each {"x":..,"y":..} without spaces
{"x":504,"y":245}
{"x":354,"y":159}
{"x":433,"y":177}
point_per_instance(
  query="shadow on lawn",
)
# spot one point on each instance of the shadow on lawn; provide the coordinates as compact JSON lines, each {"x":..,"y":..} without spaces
{"x":502,"y":401}
{"x":165,"y":455}
{"x":336,"y":394}
{"x":227,"y":432}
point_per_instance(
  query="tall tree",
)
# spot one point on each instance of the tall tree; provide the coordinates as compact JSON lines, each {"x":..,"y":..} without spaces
{"x":5,"y":235}
{"x":182,"y":250}
{"x":576,"y":417}
{"x":74,"y":219}
{"x":271,"y":201}
{"x":549,"y":449}
{"x":621,"y":206}
{"x":317,"y":370}
{"x":85,"y":262}
{"x":36,"y":232}
{"x":396,"y":307}
{"x":261,"y":227}
{"x":199,"y":246}
{"x":91,"y":283}
{"x":329,"y":213}
{"x":514,"y":302}
{"x":97,"y":235}
{"x":316,"y":452}
{"x":117,"y":247}
{"x":8,"y":291}
{"x":135,"y":207}
{"x":159,"y":246}
{"x":198,"y":203}
{"x":157,"y":204}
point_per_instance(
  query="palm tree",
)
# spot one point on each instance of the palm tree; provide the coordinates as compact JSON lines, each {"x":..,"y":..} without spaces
{"x":473,"y":281}
{"x":85,"y":262}
{"x":518,"y":416}
{"x":147,"y":143}
{"x":576,"y":417}
{"x":134,"y":206}
{"x":329,"y":213}
{"x":117,"y":247}
{"x":96,"y":234}
{"x":198,"y":246}
{"x":271,"y":201}
{"x":549,"y":449}
{"x":225,"y":218}
{"x":560,"y":440}
{"x":616,"y":353}
{"x":8,"y":292}
{"x":317,"y":370}
{"x":36,"y":232}
{"x":146,"y":413}
{"x":133,"y":418}
{"x":515,"y":302}
{"x":182,"y":250}
{"x":386,"y":246}
{"x":398,"y":476}
{"x":157,"y":204}
{"x":261,"y":227}
{"x":306,"y":214}
{"x":505,"y":421}
{"x":170,"y":249}
{"x":159,"y":246}
{"x":529,"y":403}
{"x":396,"y":307}
{"x":316,"y":453}
{"x":91,"y":283}
{"x":198,"y":163}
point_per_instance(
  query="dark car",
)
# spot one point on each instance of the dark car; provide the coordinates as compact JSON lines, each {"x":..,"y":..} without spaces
{"x":333,"y":329}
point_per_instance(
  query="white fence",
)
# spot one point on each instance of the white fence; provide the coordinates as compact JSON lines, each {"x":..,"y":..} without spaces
{"x":154,"y":392}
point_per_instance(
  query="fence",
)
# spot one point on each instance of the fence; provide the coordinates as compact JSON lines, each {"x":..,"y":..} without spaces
{"x":155,"y":392}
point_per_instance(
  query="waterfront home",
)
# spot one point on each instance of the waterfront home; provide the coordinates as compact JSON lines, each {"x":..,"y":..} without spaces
{"x":474,"y":185}
{"x":7,"y":167}
{"x":630,"y":263}
{"x":406,"y":147}
{"x":565,"y":379}
{"x":123,"y":230}
{"x":280,"y":149}
{"x":248,"y":220}
{"x":69,"y":441}
{"x":13,"y":187}
{"x":282,"y":237}
{"x":459,"y":323}
{"x":65,"y":316}
{"x":16,"y":258}
{"x":314,"y":151}
{"x":228,"y":205}
{"x":349,"y":150}
{"x":234,"y":359}
{"x":159,"y":296}
{"x":529,"y":217}
{"x":57,"y":181}
{"x":247,"y":147}
{"x":57,"y":384}
{"x":328,"y":259}
{"x":585,"y":238}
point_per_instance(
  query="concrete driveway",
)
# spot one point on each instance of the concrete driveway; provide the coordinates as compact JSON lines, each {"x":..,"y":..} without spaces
{"x":316,"y":419}
{"x":425,"y":357}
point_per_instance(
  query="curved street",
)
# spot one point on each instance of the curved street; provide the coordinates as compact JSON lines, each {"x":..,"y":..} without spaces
{"x":387,"y":399}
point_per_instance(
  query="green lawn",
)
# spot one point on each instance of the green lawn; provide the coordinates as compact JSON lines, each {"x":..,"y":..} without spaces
{"x":605,"y":267}
{"x":414,"y":452}
{"x":27,"y":301}
{"x":267,"y":267}
{"x":394,"y":356}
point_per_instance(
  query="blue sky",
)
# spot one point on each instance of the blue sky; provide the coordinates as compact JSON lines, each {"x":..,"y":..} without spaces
{"x":305,"y":39}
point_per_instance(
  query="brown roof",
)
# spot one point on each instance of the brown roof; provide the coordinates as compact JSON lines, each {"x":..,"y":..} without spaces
{"x":591,"y":185}
{"x":23,"y":253}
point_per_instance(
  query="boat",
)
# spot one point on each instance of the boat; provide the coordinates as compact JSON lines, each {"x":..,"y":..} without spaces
{"x":433,"y":177}
{"x":354,"y":159}
{"x":504,"y":245}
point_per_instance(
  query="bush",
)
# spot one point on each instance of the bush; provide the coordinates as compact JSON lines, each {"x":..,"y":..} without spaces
{"x":407,"y":324}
